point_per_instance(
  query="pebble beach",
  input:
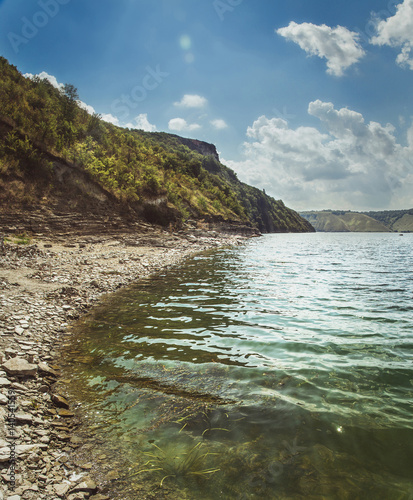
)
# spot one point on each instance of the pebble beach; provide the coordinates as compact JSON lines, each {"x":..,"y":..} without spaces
{"x":45,"y":285}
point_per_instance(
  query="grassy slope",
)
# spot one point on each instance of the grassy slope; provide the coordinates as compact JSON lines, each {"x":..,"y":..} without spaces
{"x":344,"y":222}
{"x":396,"y":220}
{"x":54,"y":154}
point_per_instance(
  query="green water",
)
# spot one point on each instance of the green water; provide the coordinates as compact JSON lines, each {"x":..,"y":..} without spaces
{"x":281,"y":369}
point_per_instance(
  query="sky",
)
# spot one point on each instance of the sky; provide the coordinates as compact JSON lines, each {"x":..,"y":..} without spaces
{"x":310,"y":100}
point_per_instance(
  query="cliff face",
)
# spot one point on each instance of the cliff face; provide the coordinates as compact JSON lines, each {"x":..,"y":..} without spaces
{"x":203,"y":148}
{"x":264,"y":212}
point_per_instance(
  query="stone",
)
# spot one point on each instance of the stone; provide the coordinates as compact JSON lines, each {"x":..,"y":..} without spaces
{"x":4,"y":382}
{"x":60,"y":401}
{"x":87,"y":466}
{"x":61,"y":489}
{"x":113,"y":475}
{"x":20,"y":449}
{"x":24,"y":418}
{"x":76,"y":440}
{"x":45,"y":368}
{"x":19,"y":330}
{"x":19,"y":387}
{"x":99,"y":497}
{"x":3,"y":399}
{"x":87,"y":486}
{"x":20,"y":367}
{"x":65,"y":413}
{"x":14,"y":497}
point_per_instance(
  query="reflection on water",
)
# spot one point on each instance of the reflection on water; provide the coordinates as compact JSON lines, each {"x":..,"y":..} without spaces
{"x":281,"y":369}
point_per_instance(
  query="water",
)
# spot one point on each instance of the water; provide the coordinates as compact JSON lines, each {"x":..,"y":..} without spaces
{"x":281,"y":369}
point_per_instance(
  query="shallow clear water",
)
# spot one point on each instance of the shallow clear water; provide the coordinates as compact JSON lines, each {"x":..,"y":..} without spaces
{"x":281,"y":369}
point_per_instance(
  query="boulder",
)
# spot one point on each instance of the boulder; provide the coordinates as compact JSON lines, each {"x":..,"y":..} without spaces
{"x":19,"y":367}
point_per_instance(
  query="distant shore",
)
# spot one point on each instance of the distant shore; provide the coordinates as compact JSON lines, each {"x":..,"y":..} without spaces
{"x":45,"y":284}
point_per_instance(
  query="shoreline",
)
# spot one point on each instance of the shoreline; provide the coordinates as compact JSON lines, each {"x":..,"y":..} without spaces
{"x":45,"y":285}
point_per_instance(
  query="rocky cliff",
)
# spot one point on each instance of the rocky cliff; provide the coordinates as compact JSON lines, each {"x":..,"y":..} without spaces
{"x":203,"y":148}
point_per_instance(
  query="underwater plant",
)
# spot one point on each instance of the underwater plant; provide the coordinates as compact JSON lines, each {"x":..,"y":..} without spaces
{"x":179,"y":462}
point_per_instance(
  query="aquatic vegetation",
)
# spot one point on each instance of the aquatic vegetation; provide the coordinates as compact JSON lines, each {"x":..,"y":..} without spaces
{"x":179,"y":462}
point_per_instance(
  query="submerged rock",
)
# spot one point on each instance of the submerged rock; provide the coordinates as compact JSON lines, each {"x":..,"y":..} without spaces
{"x":87,"y":486}
{"x":60,"y":401}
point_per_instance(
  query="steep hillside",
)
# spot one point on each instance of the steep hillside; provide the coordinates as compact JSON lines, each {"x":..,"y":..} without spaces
{"x":55,"y":158}
{"x":330,"y":221}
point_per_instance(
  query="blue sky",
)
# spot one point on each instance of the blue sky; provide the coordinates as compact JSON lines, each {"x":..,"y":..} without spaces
{"x":309,"y":100}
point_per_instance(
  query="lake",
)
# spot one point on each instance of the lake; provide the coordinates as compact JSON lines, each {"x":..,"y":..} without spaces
{"x":278,"y":369}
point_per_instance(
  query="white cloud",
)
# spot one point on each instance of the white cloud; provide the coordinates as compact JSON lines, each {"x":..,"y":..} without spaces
{"x":87,"y":107}
{"x":181,"y":125}
{"x":219,"y":124}
{"x":142,"y":123}
{"x":108,"y":117}
{"x":45,"y":76}
{"x":353,"y":164}
{"x":339,"y":45}
{"x":192,"y":101}
{"x":397,"y":31}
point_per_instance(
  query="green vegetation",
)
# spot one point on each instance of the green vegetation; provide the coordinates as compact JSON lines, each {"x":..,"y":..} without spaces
{"x":179,"y":461}
{"x":45,"y":134}
{"x":20,"y":239}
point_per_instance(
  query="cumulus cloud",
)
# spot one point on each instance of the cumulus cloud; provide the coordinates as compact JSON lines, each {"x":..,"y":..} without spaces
{"x":45,"y":76}
{"x":142,"y":123}
{"x":181,"y":125}
{"x":219,"y":124}
{"x":192,"y":101}
{"x":108,"y":117}
{"x":350,"y":164}
{"x":86,"y":107}
{"x":339,"y":46}
{"x":397,"y":31}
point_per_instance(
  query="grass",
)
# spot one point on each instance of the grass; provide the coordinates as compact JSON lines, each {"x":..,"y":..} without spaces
{"x":179,"y":463}
{"x":19,"y":239}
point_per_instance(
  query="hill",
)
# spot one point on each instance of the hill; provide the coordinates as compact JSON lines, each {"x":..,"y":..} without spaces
{"x":57,"y":162}
{"x":342,"y":221}
{"x":396,"y":220}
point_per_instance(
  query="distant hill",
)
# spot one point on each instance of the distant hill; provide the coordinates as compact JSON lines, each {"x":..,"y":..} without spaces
{"x":342,"y":221}
{"x":58,"y":160}
{"x":396,"y":220}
